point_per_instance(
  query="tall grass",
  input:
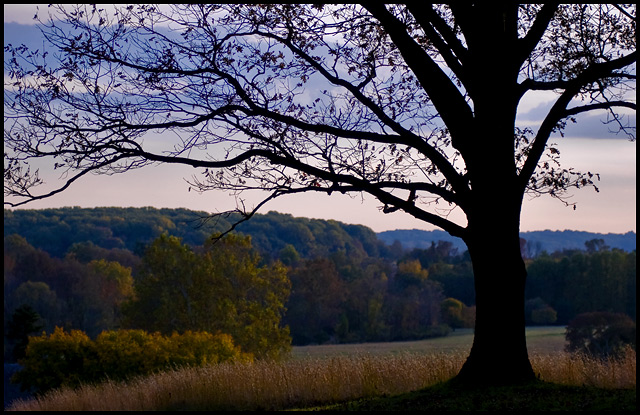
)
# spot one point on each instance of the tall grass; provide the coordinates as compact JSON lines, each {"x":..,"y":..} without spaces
{"x":311,"y":381}
{"x":583,"y":370}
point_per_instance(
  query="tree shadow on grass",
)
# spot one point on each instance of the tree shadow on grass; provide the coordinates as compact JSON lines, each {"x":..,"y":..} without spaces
{"x":533,"y":396}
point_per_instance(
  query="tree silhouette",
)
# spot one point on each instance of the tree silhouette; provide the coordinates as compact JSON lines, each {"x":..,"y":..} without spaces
{"x":415,"y":105}
{"x":24,"y":321}
{"x":601,"y":334}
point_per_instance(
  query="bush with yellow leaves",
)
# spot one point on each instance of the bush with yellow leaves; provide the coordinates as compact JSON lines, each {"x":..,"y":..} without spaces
{"x":72,"y":358}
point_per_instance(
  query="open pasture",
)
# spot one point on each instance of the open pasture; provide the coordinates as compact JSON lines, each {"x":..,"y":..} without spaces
{"x":540,"y":340}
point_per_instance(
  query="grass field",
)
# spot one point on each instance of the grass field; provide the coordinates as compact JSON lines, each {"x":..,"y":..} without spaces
{"x":380,"y":376}
{"x":545,"y":339}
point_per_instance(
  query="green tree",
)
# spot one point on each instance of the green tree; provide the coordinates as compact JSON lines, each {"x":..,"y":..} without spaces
{"x":596,"y":245}
{"x":366,"y":303}
{"x":577,"y":282}
{"x":413,"y":104}
{"x":289,"y":255}
{"x":258,"y":294}
{"x":456,"y":279}
{"x":316,"y":303}
{"x":23,"y":322}
{"x":538,"y":312}
{"x":91,"y":298}
{"x":544,"y":316}
{"x":410,"y":273}
{"x":162,"y":302}
{"x":413,"y":302}
{"x":100,"y":292}
{"x":451,"y":312}
{"x":43,"y":300}
{"x":220,"y":288}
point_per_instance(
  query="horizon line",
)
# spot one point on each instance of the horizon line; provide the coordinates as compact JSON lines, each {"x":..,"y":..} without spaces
{"x":23,"y":207}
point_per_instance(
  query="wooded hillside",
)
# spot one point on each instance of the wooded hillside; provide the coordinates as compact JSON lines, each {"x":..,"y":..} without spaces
{"x":77,"y":267}
{"x":56,"y":230}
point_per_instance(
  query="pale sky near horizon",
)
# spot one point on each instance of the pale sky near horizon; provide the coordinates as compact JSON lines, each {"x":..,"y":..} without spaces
{"x":613,"y":210}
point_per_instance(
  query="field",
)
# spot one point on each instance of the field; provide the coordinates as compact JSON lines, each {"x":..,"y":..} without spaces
{"x":361,"y":374}
{"x":547,"y":339}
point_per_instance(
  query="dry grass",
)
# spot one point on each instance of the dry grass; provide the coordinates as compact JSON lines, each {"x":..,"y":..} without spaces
{"x":260,"y":385}
{"x":310,"y":381}
{"x":581,"y":370}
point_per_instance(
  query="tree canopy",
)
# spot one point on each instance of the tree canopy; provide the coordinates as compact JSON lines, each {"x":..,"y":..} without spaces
{"x":221,"y":289}
{"x":342,"y":98}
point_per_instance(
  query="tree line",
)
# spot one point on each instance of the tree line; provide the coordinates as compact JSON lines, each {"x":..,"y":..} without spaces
{"x":56,"y":230}
{"x":580,"y":281}
{"x":330,"y":282}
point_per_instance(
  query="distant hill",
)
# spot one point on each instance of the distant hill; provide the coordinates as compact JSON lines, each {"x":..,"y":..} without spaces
{"x":537,"y":241}
{"x":56,"y":230}
{"x":552,"y":241}
{"x":416,"y":238}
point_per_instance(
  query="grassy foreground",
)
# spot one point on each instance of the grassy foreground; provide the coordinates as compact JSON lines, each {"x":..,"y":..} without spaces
{"x":537,"y":396}
{"x":392,"y":376}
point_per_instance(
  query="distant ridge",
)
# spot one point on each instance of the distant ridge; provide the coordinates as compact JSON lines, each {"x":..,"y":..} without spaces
{"x":56,"y":229}
{"x":550,"y":241}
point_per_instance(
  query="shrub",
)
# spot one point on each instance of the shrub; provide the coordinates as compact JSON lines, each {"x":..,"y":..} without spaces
{"x":601,"y":334}
{"x":544,"y":316}
{"x":55,"y":360}
{"x":122,"y":354}
{"x":70,"y":359}
{"x":539,"y":313}
{"x":201,"y":348}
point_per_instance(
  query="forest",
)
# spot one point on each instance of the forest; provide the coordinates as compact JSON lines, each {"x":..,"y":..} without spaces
{"x":318,"y":281}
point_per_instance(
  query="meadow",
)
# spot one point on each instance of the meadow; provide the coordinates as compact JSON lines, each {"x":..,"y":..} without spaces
{"x":543,"y":339}
{"x":330,"y":374}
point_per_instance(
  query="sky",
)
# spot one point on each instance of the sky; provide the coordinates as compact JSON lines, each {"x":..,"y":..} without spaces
{"x":587,"y":146}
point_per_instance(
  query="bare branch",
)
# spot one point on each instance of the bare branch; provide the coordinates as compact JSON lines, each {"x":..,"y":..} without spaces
{"x":598,"y":106}
{"x":448,"y":100}
{"x":537,"y":30}
{"x":559,"y":109}
{"x":395,"y":101}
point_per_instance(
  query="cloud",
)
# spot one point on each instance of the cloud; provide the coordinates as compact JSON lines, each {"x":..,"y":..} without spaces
{"x":21,"y":13}
{"x":597,"y":125}
{"x":593,"y":124}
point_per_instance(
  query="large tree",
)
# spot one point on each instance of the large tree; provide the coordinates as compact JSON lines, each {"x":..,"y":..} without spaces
{"x":415,"y":105}
{"x":223,"y":288}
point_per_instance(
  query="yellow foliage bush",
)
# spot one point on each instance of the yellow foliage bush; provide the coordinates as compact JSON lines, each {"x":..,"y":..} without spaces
{"x":70,"y":359}
{"x":55,"y":360}
{"x":123,"y":353}
{"x":200,"y":348}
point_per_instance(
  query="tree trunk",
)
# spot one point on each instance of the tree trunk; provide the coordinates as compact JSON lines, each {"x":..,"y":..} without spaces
{"x":499,"y":352}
